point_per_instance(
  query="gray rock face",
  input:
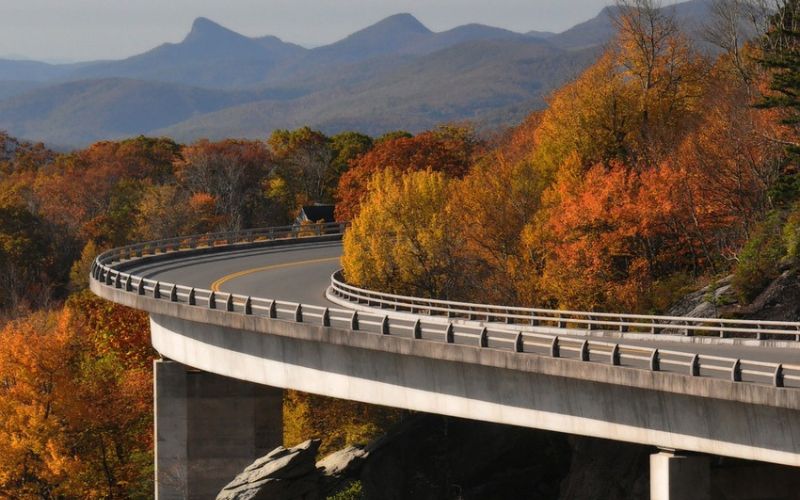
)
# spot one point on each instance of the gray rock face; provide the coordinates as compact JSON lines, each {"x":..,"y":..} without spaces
{"x":706,"y":302}
{"x":283,"y":474}
{"x":291,"y":474}
{"x":780,"y":301}
{"x":343,"y":462}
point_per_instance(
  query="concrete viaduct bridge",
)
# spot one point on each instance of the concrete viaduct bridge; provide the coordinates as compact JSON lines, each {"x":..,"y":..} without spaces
{"x":238,"y":317}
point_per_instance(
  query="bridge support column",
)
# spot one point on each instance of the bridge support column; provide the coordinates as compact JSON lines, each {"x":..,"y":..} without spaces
{"x":208,"y":428}
{"x":674,"y":476}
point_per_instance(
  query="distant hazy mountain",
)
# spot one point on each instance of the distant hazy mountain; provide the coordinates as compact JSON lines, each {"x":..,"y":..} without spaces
{"x":458,"y":83}
{"x":13,"y":88}
{"x":217,"y":83}
{"x":390,"y":36}
{"x":209,"y":56}
{"x":33,"y":71}
{"x":78,"y":113}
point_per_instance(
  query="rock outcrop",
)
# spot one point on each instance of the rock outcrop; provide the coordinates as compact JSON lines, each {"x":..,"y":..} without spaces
{"x":283,"y":474}
{"x":708,"y":302}
{"x":292,"y":474}
{"x":780,"y":301}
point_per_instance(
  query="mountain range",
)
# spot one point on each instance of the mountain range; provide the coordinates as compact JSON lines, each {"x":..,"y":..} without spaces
{"x":215,"y":83}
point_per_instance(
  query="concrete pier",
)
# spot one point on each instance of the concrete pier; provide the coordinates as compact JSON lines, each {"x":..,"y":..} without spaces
{"x":675,"y":476}
{"x":208,"y":428}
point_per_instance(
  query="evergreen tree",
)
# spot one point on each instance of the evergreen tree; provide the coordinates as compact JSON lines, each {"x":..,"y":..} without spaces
{"x":781,"y":58}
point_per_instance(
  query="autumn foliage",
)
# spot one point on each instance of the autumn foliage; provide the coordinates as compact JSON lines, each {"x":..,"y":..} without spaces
{"x":449,"y":150}
{"x":649,"y":172}
{"x":656,"y":169}
{"x":75,"y":403}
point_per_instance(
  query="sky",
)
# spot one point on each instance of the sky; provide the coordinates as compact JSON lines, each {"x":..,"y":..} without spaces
{"x":77,"y":30}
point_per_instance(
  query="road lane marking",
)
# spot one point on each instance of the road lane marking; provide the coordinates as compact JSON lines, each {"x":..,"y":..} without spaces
{"x":215,"y":286}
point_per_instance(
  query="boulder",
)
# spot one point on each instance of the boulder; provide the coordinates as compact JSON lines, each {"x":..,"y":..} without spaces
{"x":283,"y":474}
{"x":343,"y":463}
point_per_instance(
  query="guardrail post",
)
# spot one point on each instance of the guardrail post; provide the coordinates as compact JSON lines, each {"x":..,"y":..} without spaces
{"x":484,"y":337}
{"x":519,"y":343}
{"x":173,"y":293}
{"x":354,"y":321}
{"x":689,"y":331}
{"x":248,"y":306}
{"x":472,"y":316}
{"x":722,"y":330}
{"x":118,"y":281}
{"x":140,"y":288}
{"x":555,"y":348}
{"x":694,"y":366}
{"x":759,"y":335}
{"x":129,"y":284}
{"x":590,"y":325}
{"x":736,"y":371}
{"x":777,"y":377}
{"x":449,"y":334}
{"x":615,"y":360}
{"x":417,"y":329}
{"x":157,"y":290}
{"x":623,"y":327}
{"x":655,"y":362}
{"x":585,"y":351}
{"x":509,"y":319}
{"x":298,"y":313}
{"x":653,"y":327}
{"x":273,"y":310}
{"x":534,"y":320}
{"x":326,"y":317}
{"x":192,"y":297}
{"x":212,"y":300}
{"x":560,"y":323}
{"x":385,"y":325}
{"x":229,"y":303}
{"x":797,"y":336}
{"x":109,"y":279}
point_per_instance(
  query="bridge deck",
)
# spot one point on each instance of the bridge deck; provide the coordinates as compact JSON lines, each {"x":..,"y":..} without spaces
{"x":302,"y":274}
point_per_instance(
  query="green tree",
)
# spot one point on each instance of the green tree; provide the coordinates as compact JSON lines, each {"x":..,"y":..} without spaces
{"x":304,"y":161}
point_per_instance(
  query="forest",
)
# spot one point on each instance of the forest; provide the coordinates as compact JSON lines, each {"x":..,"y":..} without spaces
{"x":660,"y":168}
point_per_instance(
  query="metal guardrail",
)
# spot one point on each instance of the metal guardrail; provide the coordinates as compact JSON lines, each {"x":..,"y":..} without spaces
{"x":592,"y":321}
{"x":502,"y":336}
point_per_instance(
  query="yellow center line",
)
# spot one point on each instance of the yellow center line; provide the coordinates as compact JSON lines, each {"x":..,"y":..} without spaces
{"x":215,"y":286}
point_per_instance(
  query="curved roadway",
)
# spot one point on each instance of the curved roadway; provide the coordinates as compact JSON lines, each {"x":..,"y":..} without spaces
{"x":301,"y":273}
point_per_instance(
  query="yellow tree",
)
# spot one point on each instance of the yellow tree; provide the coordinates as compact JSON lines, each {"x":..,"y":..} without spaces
{"x":403,"y":239}
{"x":591,"y":117}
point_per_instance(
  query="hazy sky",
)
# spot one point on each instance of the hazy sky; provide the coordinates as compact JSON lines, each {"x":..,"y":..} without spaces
{"x":94,"y":29}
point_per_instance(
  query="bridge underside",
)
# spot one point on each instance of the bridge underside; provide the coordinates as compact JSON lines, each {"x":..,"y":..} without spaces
{"x":395,"y":377}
